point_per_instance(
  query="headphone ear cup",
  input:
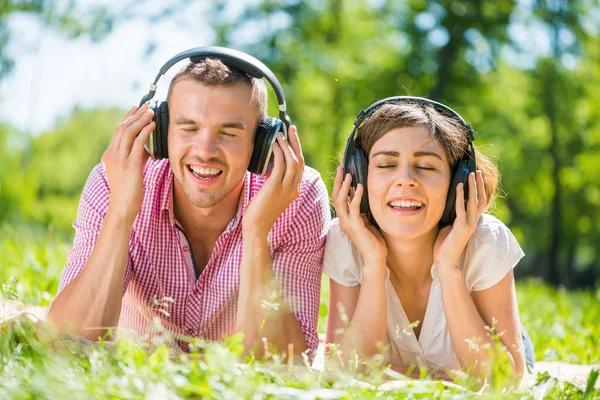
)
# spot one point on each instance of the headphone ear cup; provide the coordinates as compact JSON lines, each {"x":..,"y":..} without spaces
{"x":461,"y":174}
{"x":360,"y":176}
{"x":261,"y":160}
{"x":152,"y":141}
{"x":162,"y":126}
{"x":355,"y":163}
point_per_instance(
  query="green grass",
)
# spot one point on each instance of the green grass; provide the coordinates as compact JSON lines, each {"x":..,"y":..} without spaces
{"x":563,"y":326}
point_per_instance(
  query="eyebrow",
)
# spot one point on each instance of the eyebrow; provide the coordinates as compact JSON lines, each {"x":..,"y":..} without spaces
{"x":427,"y":153}
{"x":417,"y":154}
{"x":234,"y":125}
{"x":387,"y":153}
{"x":230,"y":124}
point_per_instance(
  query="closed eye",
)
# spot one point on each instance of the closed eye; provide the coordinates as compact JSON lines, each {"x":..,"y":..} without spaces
{"x":382,"y":166}
{"x":426,"y":168}
{"x":227,"y":134}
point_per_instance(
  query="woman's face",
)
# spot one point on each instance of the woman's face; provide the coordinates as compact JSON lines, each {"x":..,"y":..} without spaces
{"x":409,"y":176}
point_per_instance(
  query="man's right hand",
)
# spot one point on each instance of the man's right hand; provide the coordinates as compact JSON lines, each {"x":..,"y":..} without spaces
{"x":124,"y":160}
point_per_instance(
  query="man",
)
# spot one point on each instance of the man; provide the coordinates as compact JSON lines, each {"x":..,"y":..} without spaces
{"x":197,"y":240}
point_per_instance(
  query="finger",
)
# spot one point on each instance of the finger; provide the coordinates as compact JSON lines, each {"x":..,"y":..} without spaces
{"x":133,"y":115}
{"x":294,"y":141}
{"x":472,"y":206}
{"x":138,"y":149}
{"x":481,"y":196}
{"x":130,"y":112}
{"x":131,"y":132}
{"x":278,"y":164}
{"x":341,"y":203}
{"x":337,"y":182}
{"x":296,"y":147}
{"x":291,"y":162}
{"x":114,"y":141}
{"x":460,"y":201}
{"x":355,"y":203}
{"x":136,"y":115}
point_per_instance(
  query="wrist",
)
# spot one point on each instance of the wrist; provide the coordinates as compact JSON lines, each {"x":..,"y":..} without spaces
{"x":449,"y":274}
{"x":120,"y":215}
{"x":373,"y":271}
{"x":254,"y":232}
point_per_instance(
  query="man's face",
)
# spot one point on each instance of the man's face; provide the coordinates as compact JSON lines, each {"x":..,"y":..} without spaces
{"x":211,"y":137}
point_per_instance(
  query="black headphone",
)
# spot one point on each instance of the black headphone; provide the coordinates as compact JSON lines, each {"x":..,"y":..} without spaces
{"x":356,"y":161}
{"x":268,"y":128}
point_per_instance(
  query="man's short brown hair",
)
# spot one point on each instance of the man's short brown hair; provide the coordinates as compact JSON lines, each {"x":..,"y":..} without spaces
{"x":213,"y":72}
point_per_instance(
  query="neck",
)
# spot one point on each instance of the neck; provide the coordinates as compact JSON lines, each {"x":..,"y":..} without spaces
{"x":205,"y":222}
{"x":410,"y":260}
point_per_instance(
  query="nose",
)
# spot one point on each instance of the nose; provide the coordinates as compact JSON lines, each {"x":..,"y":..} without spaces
{"x":405,"y":176}
{"x":206,"y":144}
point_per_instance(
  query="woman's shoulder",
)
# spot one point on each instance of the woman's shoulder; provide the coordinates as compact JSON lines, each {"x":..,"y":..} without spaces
{"x":341,"y":261}
{"x":492,"y":251}
{"x":489,"y":229}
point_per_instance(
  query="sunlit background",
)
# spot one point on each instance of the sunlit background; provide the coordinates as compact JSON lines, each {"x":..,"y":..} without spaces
{"x":525,"y":74}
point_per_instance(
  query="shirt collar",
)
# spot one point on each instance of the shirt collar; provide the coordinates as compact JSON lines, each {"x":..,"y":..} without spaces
{"x":166,"y":198}
{"x":243,"y":203}
{"x":433,"y":272}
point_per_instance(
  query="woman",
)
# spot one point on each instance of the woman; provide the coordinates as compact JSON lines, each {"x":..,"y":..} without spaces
{"x":415,"y":267}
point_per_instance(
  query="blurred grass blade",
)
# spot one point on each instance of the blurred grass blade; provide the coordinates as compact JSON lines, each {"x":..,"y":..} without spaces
{"x":591,"y":383}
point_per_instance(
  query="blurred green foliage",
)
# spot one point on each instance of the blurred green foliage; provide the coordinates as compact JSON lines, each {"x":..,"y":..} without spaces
{"x":534,"y":104}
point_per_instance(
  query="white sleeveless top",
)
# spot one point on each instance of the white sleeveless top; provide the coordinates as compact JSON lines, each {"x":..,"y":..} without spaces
{"x":491,"y":252}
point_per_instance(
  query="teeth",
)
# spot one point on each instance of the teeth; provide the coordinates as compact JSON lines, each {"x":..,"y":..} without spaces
{"x":205,"y":171}
{"x":405,"y":203}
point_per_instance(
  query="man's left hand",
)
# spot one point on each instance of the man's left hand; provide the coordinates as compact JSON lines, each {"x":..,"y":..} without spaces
{"x":280,"y":189}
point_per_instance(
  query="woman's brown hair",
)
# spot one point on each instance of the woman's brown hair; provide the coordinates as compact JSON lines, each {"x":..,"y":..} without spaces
{"x":442,"y":126}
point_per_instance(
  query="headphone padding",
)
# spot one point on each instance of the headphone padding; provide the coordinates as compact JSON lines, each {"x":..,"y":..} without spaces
{"x":461,"y":174}
{"x":151,"y":143}
{"x":162,"y":124}
{"x":355,"y":163}
{"x":360,"y":176}
{"x":258,"y":135}
{"x":266,"y":134}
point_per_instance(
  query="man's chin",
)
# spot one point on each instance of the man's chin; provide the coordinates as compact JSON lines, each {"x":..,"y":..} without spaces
{"x":205,"y":201}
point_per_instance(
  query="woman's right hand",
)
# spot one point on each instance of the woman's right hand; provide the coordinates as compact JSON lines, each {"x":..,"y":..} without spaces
{"x":366,"y":237}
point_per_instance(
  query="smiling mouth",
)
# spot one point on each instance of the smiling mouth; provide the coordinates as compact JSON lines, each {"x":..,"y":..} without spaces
{"x":406,"y":205}
{"x":204,"y":173}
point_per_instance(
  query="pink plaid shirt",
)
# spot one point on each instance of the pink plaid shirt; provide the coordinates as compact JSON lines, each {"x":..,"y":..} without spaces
{"x":160,"y":263}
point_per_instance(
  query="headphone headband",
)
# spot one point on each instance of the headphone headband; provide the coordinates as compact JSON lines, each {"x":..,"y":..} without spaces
{"x":369,"y":110}
{"x":230,"y":57}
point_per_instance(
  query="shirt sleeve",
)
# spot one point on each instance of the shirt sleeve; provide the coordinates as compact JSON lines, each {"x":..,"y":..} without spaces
{"x":491,"y":253}
{"x":91,"y":212}
{"x":298,"y":262}
{"x":342,"y":262}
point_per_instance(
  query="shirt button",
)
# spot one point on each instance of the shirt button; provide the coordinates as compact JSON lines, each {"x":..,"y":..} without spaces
{"x":185,"y":248}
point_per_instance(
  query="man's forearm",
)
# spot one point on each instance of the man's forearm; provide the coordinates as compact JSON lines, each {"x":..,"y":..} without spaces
{"x":91,"y":302}
{"x":262,"y":312}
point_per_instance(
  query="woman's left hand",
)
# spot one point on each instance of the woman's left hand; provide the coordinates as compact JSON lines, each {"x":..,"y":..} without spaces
{"x":452,"y":240}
